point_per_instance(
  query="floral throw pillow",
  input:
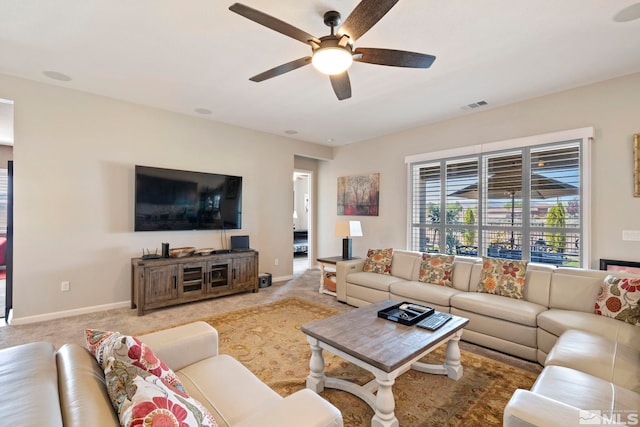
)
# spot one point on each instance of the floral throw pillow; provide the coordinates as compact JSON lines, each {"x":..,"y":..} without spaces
{"x":504,"y":277}
{"x":142,"y":399}
{"x":619,"y":298}
{"x":106,"y":344}
{"x":437,"y":269}
{"x":378,"y":261}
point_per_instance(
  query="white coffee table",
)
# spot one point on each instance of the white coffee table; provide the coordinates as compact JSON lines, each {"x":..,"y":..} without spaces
{"x":382,"y":347}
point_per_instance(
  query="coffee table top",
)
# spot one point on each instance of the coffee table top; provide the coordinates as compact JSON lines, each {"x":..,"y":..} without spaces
{"x":379,"y":342}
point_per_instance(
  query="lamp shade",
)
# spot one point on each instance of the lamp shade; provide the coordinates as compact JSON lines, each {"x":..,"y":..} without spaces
{"x":348,"y":229}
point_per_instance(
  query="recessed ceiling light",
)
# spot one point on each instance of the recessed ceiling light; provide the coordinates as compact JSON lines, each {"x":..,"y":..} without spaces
{"x":57,"y":76}
{"x":203,"y":111}
{"x":291,"y":132}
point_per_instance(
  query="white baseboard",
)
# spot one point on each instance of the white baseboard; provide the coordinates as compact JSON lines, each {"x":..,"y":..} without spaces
{"x":281,"y":278}
{"x":67,"y":313}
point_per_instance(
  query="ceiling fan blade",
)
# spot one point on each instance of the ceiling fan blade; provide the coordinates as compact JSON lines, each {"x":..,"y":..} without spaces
{"x":366,"y":14}
{"x":281,"y":69}
{"x":341,"y":85}
{"x":273,"y":23}
{"x":394,"y":58}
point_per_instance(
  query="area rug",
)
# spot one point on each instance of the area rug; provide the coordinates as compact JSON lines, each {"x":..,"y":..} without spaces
{"x":267,"y":339}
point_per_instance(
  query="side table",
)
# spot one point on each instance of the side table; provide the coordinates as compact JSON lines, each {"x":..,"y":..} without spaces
{"x":328,"y":265}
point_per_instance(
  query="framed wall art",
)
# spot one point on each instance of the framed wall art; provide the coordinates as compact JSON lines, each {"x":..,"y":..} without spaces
{"x":615,"y":266}
{"x":359,"y":195}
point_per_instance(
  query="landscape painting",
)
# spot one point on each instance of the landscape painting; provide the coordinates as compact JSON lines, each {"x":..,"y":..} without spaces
{"x":359,"y":195}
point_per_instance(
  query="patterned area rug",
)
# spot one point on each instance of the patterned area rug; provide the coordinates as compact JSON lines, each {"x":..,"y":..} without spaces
{"x":267,"y":339}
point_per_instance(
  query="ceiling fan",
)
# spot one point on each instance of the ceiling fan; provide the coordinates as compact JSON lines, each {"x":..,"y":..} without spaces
{"x":333,"y":54}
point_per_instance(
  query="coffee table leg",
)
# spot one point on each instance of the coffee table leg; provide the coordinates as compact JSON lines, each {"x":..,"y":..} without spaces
{"x":452,"y":364}
{"x":385,"y":404}
{"x":316,"y":378}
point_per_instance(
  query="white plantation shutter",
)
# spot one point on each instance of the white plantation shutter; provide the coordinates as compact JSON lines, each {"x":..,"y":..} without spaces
{"x":525,"y":202}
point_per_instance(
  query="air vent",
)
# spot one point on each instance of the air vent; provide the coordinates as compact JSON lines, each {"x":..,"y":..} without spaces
{"x":475,"y":105}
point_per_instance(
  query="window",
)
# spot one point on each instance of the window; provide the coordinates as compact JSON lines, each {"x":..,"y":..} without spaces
{"x":522,"y":199}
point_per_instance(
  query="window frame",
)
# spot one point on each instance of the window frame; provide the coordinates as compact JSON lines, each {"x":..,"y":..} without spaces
{"x":582,"y":135}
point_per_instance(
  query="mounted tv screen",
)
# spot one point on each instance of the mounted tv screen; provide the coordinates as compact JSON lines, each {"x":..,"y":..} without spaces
{"x":167,"y":199}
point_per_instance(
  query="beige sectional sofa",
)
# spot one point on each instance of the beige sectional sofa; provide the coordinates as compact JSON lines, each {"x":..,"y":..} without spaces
{"x":67,"y":387}
{"x":554,"y":317}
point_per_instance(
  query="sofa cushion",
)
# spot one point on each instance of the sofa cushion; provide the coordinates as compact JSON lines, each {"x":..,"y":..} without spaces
{"x":598,"y":356}
{"x":585,"y":391}
{"x":557,"y":321}
{"x":106,"y":344}
{"x":29,"y":386}
{"x":505,"y":277}
{"x":379,"y":282}
{"x":141,"y":398}
{"x":405,"y":264}
{"x":516,"y":311}
{"x":220,"y":383}
{"x":83,"y":395}
{"x":436,"y":269}
{"x":618,"y":298}
{"x":378,"y":261}
{"x":427,"y":293}
{"x":575,"y":289}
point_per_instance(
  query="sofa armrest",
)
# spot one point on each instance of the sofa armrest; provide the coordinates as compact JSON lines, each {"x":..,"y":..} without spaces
{"x":342,"y":269}
{"x":303,"y":408}
{"x":526,"y":409}
{"x":183,"y":345}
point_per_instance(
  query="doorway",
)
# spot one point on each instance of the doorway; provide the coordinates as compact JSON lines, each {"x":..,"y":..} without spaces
{"x":301,"y":220}
{"x":6,"y":200}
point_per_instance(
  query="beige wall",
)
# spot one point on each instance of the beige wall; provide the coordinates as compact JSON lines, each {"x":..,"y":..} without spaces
{"x":75,"y":155}
{"x":6,"y":154}
{"x":610,"y":107}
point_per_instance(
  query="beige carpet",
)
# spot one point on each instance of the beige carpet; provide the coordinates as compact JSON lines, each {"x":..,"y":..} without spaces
{"x":267,"y":339}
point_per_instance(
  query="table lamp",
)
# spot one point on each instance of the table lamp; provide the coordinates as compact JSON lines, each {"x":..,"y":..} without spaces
{"x":348,"y":229}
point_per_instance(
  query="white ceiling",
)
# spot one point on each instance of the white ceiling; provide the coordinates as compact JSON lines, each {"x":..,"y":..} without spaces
{"x":181,"y":56}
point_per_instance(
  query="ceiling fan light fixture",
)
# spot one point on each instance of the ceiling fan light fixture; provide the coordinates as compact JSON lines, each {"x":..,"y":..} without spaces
{"x":332,"y":59}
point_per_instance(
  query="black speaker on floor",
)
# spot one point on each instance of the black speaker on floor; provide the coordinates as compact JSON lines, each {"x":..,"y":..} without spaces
{"x":264,"y":280}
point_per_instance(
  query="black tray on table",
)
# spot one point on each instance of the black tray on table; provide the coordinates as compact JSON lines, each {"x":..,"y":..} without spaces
{"x":406,"y":317}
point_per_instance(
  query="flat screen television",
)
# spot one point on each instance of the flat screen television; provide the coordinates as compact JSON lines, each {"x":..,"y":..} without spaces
{"x":168,"y":199}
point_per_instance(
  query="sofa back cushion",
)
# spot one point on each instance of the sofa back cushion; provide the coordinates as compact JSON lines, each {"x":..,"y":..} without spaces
{"x":466,"y":270}
{"x":575,"y":289}
{"x":538,"y":282}
{"x":29,"y":386}
{"x":405,"y":264}
{"x":83,"y":395}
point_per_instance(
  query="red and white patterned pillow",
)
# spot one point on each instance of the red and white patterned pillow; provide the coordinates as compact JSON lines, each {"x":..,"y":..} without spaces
{"x":619,"y":298}
{"x":142,"y":399}
{"x":378,"y":261}
{"x":106,"y":344}
{"x":437,"y":269}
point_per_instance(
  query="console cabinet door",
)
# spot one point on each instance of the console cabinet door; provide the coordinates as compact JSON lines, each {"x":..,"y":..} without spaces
{"x":160,"y":283}
{"x":245,"y":273}
{"x":219,"y":277}
{"x":192,"y":279}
